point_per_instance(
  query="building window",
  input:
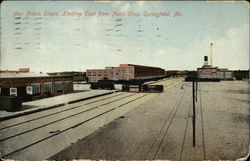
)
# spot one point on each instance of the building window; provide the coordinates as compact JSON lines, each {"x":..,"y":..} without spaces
{"x":48,"y":87}
{"x":93,"y":73}
{"x":67,"y":86}
{"x":117,"y":71}
{"x":36,"y":88}
{"x":105,"y":73}
{"x":93,"y":80}
{"x":89,"y":74}
{"x":58,"y":86}
{"x":110,"y":73}
{"x":228,"y":75}
{"x":130,"y":71}
{"x":99,"y":73}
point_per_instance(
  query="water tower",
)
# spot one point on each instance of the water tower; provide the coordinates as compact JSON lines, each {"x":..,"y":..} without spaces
{"x":205,"y":60}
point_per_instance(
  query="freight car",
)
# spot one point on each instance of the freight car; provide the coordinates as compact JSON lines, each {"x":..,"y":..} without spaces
{"x":103,"y":84}
{"x":136,"y":86}
{"x":152,"y":88}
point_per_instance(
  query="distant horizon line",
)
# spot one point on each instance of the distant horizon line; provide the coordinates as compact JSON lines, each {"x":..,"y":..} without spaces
{"x":35,"y":71}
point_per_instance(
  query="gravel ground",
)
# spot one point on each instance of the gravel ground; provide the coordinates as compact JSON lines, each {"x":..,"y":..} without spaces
{"x":162,"y":127}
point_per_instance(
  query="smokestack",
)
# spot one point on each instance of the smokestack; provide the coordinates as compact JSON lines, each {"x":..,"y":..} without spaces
{"x":211,"y":54}
{"x":205,"y":60}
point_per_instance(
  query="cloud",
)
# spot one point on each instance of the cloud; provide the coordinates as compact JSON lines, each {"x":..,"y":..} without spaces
{"x":125,"y":7}
{"x":159,"y":53}
{"x":229,"y":51}
{"x":232,"y":50}
{"x":168,"y":58}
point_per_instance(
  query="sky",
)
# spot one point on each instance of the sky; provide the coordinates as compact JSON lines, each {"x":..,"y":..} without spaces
{"x":54,"y":36}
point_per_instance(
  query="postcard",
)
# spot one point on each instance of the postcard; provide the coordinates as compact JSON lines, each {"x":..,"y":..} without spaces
{"x":124,"y":80}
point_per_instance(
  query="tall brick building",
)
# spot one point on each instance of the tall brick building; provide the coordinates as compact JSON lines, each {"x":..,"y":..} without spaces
{"x":124,"y":72}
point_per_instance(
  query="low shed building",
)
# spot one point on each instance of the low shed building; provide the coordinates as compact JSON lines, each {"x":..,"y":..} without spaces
{"x":31,"y":86}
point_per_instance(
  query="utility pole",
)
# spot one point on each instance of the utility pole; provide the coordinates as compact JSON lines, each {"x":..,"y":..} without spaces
{"x":196,"y":90}
{"x":193,"y":82}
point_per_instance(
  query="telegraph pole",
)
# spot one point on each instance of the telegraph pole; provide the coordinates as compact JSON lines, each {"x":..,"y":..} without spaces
{"x":196,"y":90}
{"x":193,"y":82}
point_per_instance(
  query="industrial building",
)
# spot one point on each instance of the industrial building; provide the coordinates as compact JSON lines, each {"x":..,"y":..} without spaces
{"x":209,"y":72}
{"x":125,"y":72}
{"x":31,"y":86}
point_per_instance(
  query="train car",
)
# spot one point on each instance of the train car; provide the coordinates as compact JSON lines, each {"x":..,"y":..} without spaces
{"x":152,"y":88}
{"x":135,"y":86}
{"x":102,"y":84}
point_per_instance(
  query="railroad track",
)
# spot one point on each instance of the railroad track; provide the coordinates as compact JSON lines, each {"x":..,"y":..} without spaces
{"x":185,"y":133}
{"x":60,"y":110}
{"x":167,"y":124}
{"x":60,"y":119}
{"x":154,"y":148}
{"x":165,"y":82}
{"x":70,"y":127}
{"x":18,"y":131}
{"x":200,"y":113}
{"x":202,"y":127}
{"x":159,"y":81}
{"x":163,"y":131}
{"x":172,"y":83}
{"x":69,"y":118}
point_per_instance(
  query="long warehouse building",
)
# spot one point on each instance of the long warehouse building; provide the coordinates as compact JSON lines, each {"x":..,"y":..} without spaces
{"x":30,"y":86}
{"x":125,"y":72}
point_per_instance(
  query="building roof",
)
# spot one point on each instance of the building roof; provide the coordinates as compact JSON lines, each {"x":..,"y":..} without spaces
{"x":126,"y":65}
{"x":207,"y":67}
{"x":109,"y":67}
{"x":21,"y":75}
